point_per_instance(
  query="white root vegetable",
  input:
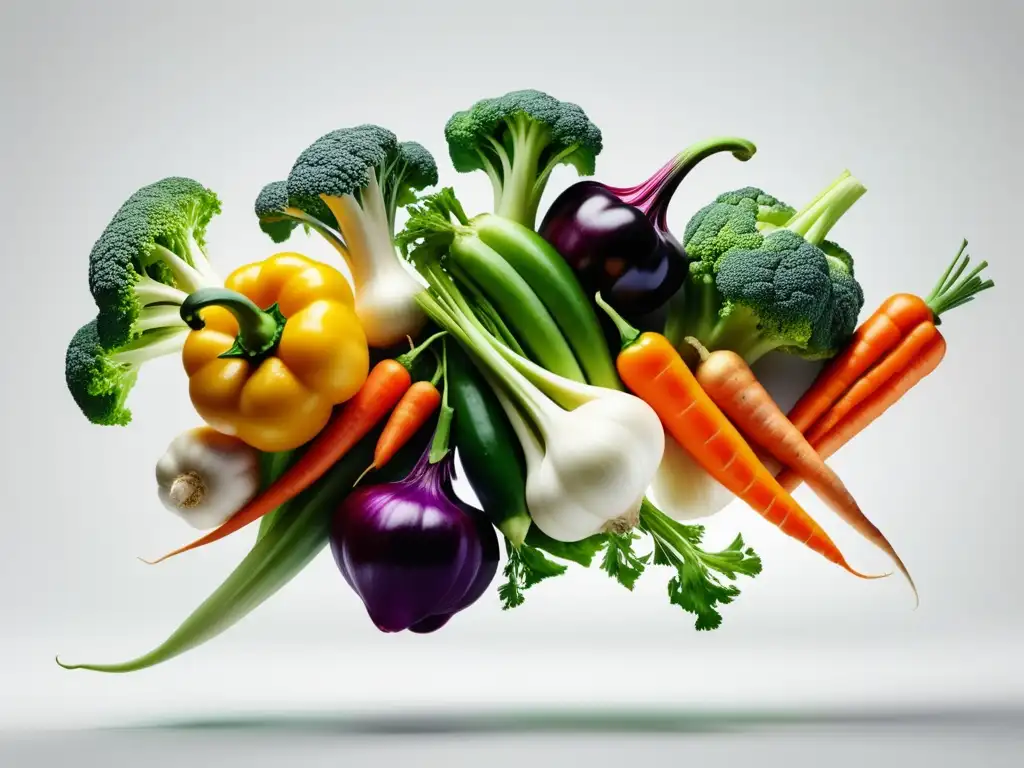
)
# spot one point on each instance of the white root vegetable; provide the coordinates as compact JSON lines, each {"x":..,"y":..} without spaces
{"x":683,"y":490}
{"x":204,"y":476}
{"x":591,"y":452}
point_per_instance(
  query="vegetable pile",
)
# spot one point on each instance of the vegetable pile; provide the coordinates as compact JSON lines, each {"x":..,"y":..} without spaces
{"x":587,"y":370}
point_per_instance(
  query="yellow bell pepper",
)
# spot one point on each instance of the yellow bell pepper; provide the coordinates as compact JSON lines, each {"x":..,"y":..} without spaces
{"x":273,"y":351}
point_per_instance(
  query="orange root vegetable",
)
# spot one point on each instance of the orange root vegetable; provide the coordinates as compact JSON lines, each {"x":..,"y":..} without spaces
{"x":653,"y":370}
{"x":891,"y":365}
{"x":892,"y":322}
{"x":870,"y":409}
{"x":414,"y":409}
{"x":734,"y":388}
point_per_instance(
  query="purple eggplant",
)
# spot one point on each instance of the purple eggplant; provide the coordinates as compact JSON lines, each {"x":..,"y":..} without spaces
{"x":412,"y":550}
{"x":616,"y":239}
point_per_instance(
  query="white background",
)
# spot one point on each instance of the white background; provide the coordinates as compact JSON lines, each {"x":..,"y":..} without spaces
{"x":921,"y":101}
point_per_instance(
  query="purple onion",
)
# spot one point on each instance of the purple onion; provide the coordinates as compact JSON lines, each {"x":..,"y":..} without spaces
{"x":616,"y":239}
{"x":412,"y":550}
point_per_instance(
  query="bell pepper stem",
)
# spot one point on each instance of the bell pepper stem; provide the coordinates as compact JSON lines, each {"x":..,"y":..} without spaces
{"x":259,"y":330}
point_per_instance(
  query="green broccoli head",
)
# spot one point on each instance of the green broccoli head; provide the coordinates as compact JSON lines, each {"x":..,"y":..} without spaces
{"x":847,"y":303}
{"x":98,"y":385}
{"x":365,"y":164}
{"x":100,"y":378}
{"x":151,"y":254}
{"x":784,"y":285}
{"x":517,"y":140}
{"x":279,"y":216}
{"x":763,"y":276}
{"x":415,"y":169}
{"x":735,"y":219}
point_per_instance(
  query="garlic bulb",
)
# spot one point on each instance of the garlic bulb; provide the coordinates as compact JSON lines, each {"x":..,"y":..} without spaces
{"x":204,"y":476}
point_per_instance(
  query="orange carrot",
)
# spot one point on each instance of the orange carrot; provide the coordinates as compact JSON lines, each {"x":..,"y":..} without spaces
{"x":871,"y":408}
{"x":387,"y":382}
{"x":416,"y":406}
{"x":653,"y":370}
{"x":897,"y":317}
{"x":891,"y":365}
{"x":732,"y":385}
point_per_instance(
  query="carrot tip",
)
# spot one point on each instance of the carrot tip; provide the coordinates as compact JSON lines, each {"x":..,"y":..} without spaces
{"x":147,"y":562}
{"x":365,"y":472}
{"x":860,"y":575}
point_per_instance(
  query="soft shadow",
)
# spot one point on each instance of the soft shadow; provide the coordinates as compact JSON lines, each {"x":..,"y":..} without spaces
{"x":1010,"y":721}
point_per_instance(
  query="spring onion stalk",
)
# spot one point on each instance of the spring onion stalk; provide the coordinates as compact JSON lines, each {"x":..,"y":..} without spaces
{"x":591,"y":452}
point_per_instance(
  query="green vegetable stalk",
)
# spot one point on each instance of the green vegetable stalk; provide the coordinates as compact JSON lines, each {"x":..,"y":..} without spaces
{"x":527,"y":281}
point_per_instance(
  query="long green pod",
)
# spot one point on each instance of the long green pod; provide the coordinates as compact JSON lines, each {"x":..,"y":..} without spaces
{"x":272,"y":466}
{"x":488,"y":449}
{"x":291,"y":543}
{"x":517,"y":303}
{"x":551,"y":277}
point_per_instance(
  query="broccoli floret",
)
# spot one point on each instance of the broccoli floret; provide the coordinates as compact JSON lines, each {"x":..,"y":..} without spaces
{"x":150,"y":256}
{"x":363,"y":175}
{"x":100,"y":378}
{"x":734,"y":219}
{"x":517,"y":140}
{"x":148,"y":259}
{"x":847,"y":303}
{"x":278,"y":216}
{"x":363,"y":167}
{"x":759,"y":282}
{"x":776,"y":295}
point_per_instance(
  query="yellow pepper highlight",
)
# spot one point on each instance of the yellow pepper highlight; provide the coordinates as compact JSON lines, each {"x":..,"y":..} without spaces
{"x":273,"y":351}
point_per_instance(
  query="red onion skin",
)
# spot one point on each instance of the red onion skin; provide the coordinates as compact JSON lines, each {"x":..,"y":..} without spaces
{"x":412,"y":551}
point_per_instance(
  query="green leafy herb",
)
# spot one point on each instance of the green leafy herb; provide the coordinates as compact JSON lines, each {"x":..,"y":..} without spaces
{"x":525,"y":568}
{"x":581,"y":552}
{"x":697,"y":586}
{"x":621,"y":562}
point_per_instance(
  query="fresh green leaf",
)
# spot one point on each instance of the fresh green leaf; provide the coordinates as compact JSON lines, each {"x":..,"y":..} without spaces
{"x":581,"y":552}
{"x":525,"y":567}
{"x":621,"y":562}
{"x":698,"y":586}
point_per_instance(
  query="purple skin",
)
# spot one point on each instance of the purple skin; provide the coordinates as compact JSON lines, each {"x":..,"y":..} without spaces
{"x":412,"y":551}
{"x":616,"y":239}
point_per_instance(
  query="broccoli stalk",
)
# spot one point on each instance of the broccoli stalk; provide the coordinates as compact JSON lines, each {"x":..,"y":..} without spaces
{"x":518,"y":139}
{"x":351,"y":183}
{"x":149,"y":258}
{"x":764,"y":277}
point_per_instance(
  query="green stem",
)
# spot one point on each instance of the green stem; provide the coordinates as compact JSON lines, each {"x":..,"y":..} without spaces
{"x":442,"y":433}
{"x":149,"y":346}
{"x":951,"y":291}
{"x":407,"y":359}
{"x":815,"y":221}
{"x":448,"y":309}
{"x":259,"y":331}
{"x":627,"y":333}
{"x":656,"y":204}
{"x":693,"y":311}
